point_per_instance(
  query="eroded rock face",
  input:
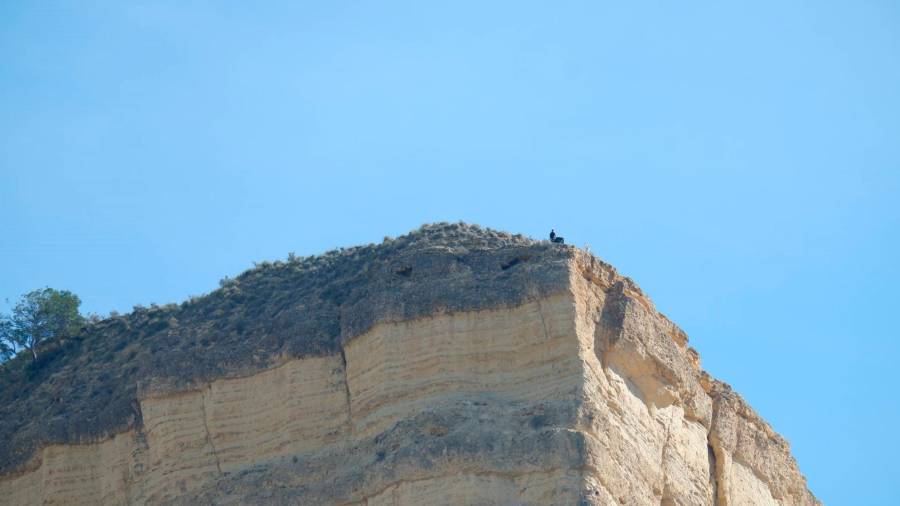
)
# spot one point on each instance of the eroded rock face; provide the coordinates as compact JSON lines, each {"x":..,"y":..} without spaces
{"x":570,"y":390}
{"x":660,"y":429}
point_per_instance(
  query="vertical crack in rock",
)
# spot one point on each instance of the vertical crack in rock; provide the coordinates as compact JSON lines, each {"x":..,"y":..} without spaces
{"x":346,"y":380}
{"x":130,"y":472}
{"x":662,"y":461}
{"x":206,"y":428}
{"x":126,"y":485}
{"x":711,"y":455}
{"x":134,"y":493}
{"x":543,"y":322}
{"x":720,"y":461}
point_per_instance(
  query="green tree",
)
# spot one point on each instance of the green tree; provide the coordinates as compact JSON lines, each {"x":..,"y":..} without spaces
{"x":38,"y":316}
{"x":6,"y":350}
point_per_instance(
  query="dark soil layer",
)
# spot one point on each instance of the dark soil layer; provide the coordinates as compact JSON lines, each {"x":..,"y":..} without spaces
{"x":86,"y":387}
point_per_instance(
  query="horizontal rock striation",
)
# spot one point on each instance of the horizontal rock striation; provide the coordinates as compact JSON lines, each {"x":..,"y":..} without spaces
{"x":85,"y":388}
{"x":455,"y":365}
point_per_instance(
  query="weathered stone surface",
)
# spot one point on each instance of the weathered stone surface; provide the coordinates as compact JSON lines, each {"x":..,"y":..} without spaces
{"x":562,"y":386}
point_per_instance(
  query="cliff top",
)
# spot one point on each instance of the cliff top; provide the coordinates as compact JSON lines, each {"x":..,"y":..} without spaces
{"x":84,"y":388}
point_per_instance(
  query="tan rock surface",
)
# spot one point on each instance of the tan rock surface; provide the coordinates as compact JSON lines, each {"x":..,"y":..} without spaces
{"x":586,"y":396}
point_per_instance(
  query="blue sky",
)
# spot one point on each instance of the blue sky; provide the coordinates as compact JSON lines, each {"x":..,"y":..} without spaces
{"x":740,"y":160}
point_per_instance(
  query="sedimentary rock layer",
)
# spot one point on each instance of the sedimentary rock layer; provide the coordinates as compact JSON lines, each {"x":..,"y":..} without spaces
{"x":580,"y":395}
{"x":85,"y":388}
{"x":321,"y":407}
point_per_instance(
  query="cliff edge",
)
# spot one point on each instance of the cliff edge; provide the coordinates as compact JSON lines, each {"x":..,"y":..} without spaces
{"x":453,"y":365}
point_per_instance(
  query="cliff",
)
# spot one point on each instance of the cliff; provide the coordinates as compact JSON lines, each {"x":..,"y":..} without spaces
{"x":453,"y":365}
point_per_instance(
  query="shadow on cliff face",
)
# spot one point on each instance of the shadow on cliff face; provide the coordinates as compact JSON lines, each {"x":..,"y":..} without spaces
{"x":620,"y":352}
{"x":647,"y":351}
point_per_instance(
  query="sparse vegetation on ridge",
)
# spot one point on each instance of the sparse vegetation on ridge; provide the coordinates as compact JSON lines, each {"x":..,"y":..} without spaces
{"x":88,"y":384}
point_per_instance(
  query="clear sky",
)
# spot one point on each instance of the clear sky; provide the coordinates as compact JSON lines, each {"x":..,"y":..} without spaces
{"x":741,"y":162}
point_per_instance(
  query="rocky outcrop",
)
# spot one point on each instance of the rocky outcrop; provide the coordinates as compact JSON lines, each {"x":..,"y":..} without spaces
{"x":464,"y":368}
{"x":661,"y":429}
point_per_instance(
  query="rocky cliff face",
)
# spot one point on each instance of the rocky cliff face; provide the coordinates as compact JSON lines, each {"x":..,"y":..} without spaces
{"x":455,"y":365}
